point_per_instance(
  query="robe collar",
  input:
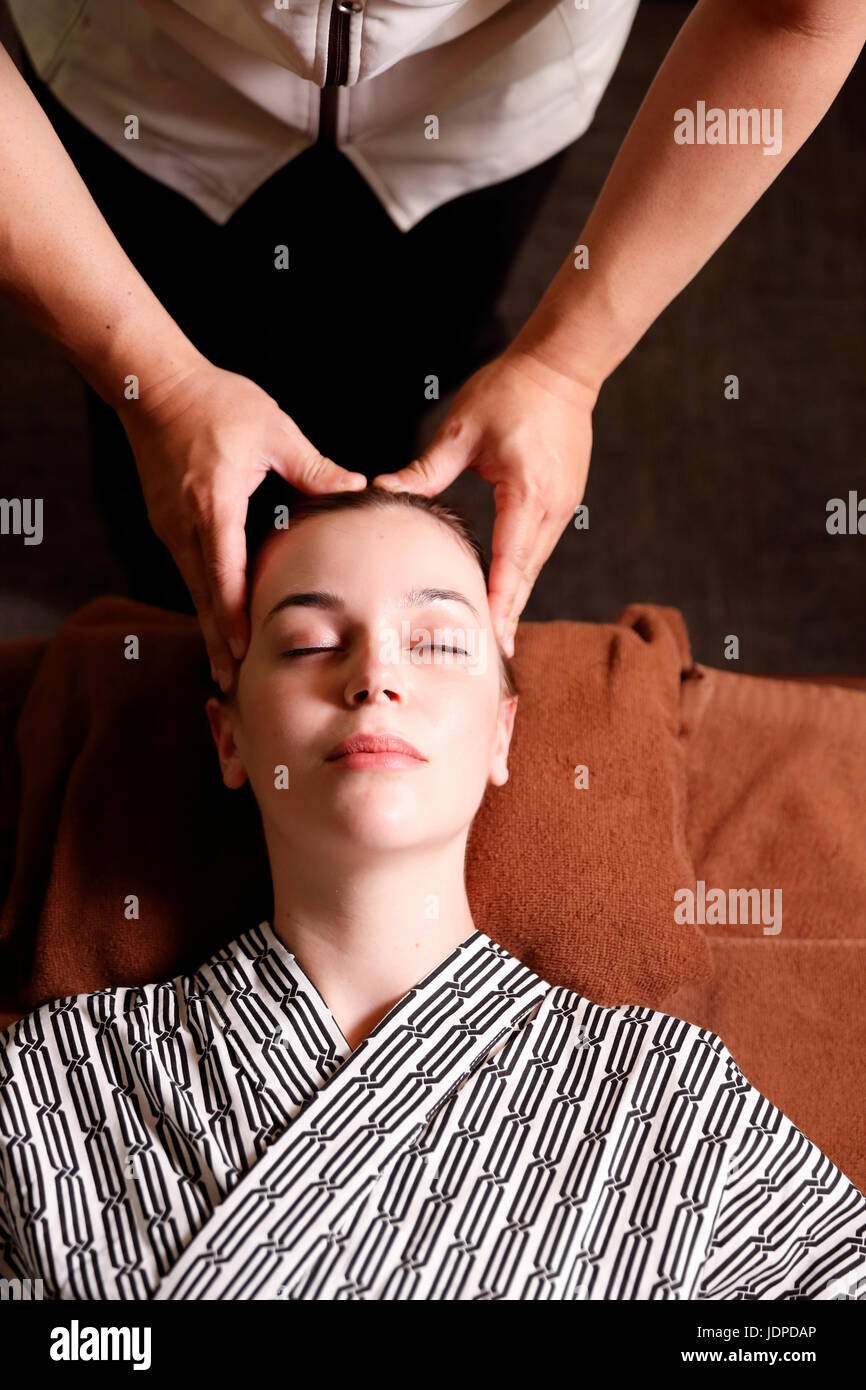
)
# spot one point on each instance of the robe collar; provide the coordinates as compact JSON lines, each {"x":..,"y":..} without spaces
{"x":292,"y":1202}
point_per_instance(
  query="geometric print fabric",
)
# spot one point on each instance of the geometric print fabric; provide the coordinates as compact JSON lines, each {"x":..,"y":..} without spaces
{"x":494,"y":1137}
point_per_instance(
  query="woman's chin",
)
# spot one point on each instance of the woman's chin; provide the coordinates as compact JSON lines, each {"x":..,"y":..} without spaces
{"x":369,"y":813}
{"x":380,"y":829}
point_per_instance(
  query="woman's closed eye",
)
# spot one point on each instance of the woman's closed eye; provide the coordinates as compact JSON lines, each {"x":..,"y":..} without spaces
{"x":304,"y":651}
{"x":437,"y":646}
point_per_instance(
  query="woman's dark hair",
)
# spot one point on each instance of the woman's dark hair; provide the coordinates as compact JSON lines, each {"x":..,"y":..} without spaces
{"x":275,"y":499}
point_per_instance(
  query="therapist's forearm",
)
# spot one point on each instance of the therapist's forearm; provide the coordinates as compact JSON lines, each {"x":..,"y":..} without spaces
{"x":64,"y":270}
{"x":666,"y":207}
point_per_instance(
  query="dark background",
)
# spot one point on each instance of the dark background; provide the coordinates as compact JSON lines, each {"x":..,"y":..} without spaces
{"x":716,"y":507}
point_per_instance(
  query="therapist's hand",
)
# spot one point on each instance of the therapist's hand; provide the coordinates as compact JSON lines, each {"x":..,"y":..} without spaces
{"x":527,"y":428}
{"x":203,"y":443}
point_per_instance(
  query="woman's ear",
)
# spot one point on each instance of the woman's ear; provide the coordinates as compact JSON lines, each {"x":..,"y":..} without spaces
{"x":504,"y":730}
{"x":222,"y":718}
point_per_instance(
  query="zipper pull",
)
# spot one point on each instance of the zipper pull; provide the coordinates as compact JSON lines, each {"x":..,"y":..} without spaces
{"x":336,"y":67}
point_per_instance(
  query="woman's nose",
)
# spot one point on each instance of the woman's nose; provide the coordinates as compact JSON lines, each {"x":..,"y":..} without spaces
{"x":376,"y":673}
{"x":370,"y":695}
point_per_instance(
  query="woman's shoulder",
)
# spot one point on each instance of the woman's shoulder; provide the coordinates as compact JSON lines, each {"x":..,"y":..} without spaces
{"x":164,"y":1002}
{"x":63,"y":1022}
{"x":104,"y":1024}
{"x":634,"y":1031}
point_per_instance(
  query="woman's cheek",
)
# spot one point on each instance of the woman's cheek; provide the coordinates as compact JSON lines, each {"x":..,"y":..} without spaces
{"x":264,"y":742}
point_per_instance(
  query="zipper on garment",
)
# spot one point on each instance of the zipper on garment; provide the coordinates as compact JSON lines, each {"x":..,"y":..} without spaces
{"x":337,"y":66}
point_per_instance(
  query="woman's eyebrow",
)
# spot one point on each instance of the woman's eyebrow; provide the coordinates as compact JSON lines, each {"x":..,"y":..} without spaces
{"x":415,"y":598}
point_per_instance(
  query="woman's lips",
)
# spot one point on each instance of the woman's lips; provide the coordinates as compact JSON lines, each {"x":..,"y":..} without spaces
{"x":377,"y":760}
{"x":375,"y":750}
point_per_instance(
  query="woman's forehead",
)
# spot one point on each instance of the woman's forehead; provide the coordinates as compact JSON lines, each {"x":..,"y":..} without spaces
{"x":383,"y":556}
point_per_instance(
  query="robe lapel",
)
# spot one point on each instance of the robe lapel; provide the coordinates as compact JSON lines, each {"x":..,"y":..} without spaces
{"x":287,"y":1214}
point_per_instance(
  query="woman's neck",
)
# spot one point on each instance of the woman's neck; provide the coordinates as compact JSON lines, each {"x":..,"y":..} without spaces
{"x":366,"y":931}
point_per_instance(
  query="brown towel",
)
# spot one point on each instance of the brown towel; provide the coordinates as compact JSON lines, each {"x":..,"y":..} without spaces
{"x":777,"y":798}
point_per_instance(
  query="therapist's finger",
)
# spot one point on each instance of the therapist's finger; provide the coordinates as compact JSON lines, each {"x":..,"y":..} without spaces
{"x":321,"y":474}
{"x":291,"y":454}
{"x":450,"y":451}
{"x":189,"y":558}
{"x":224,"y":549}
{"x":524,"y":535}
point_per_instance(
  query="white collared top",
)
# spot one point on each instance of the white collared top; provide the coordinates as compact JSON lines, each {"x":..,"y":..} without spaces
{"x":228,"y":91}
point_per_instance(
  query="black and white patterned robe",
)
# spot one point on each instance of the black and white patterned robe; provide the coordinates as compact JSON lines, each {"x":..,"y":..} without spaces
{"x":494,"y":1137}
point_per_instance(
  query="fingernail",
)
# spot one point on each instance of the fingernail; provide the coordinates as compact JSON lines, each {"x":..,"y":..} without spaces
{"x":237,"y":647}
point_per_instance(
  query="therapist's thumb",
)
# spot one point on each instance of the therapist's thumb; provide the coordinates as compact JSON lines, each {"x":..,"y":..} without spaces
{"x":431,"y":471}
{"x":308,"y":470}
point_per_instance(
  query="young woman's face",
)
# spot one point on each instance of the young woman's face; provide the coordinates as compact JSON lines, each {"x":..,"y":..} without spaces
{"x":385,"y":659}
